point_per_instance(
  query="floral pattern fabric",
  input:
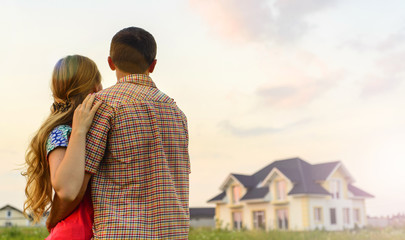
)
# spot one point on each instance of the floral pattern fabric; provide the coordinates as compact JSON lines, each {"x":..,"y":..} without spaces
{"x":59,"y":137}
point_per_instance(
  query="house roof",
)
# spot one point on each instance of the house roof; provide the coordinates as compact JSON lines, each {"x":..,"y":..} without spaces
{"x":321,"y":171}
{"x":202,"y":212}
{"x":246,"y":180}
{"x":255,"y":193}
{"x":304,"y":176}
{"x":218,"y":197}
{"x":357,"y":192}
{"x":299,"y":172}
{"x":9,"y":206}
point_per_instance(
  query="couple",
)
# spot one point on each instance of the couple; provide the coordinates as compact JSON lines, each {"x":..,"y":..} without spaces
{"x":116,"y":159}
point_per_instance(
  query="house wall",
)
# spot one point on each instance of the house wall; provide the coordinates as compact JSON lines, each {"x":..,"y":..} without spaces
{"x":318,"y":202}
{"x":361,"y":205}
{"x":297,"y":213}
{"x":345,"y":201}
{"x":338,"y":174}
{"x":223,"y":216}
{"x":251,"y":207}
{"x":16,"y":218}
{"x":289,"y":203}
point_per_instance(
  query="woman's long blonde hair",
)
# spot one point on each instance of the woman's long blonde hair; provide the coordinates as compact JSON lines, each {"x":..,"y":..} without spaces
{"x":73,"y":78}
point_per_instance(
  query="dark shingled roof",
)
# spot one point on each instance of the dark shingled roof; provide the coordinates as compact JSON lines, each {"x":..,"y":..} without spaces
{"x":9,"y":206}
{"x":246,"y":180}
{"x":256,"y":193}
{"x":321,"y":171}
{"x":218,"y":197}
{"x":303,"y":175}
{"x":358,"y":192}
{"x":202,"y":212}
{"x":299,"y":172}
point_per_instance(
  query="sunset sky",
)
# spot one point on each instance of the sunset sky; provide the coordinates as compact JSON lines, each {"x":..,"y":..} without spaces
{"x":259,"y":80}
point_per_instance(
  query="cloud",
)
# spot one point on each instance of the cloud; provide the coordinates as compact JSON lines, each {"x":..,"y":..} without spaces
{"x":280,"y":20}
{"x":301,"y":90}
{"x":288,"y":96}
{"x":257,"y":131}
{"x":362,"y":43}
{"x":358,"y":43}
{"x":393,"y":41}
{"x":291,"y":21}
{"x":390,"y":74}
{"x":376,"y":85}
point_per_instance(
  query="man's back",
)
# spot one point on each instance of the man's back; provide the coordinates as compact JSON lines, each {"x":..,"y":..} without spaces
{"x":137,"y":151}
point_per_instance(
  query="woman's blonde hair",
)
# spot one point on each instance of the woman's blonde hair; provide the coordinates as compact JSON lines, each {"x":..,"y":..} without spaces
{"x":73,"y":78}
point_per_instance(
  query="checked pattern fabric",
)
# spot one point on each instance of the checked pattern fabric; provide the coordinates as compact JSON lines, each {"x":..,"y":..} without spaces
{"x":137,"y":152}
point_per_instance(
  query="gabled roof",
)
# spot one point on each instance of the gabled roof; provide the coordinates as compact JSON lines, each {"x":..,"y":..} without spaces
{"x":357,"y":192}
{"x":220,"y":197}
{"x":321,"y":171}
{"x":256,"y":193}
{"x":291,"y":168}
{"x":312,"y":188}
{"x":9,"y":206}
{"x":246,"y":180}
{"x":304,"y":176}
{"x":299,"y":172}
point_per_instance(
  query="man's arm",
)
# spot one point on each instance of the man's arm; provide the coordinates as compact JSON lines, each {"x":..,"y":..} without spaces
{"x":63,"y":208}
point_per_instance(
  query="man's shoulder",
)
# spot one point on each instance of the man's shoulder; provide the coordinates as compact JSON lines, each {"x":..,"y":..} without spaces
{"x":107,"y":91}
{"x":109,"y":95}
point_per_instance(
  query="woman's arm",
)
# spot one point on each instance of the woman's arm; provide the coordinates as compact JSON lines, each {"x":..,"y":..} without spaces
{"x":62,"y":208}
{"x":67,"y":164}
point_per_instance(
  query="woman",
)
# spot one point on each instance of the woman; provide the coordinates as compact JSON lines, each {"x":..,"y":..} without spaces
{"x":56,"y":155}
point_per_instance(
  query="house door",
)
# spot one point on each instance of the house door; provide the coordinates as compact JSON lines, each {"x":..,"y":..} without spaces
{"x":237,"y":220}
{"x":282,"y":218}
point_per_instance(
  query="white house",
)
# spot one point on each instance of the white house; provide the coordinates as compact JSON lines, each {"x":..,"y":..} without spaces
{"x":11,"y":216}
{"x":292,"y":194}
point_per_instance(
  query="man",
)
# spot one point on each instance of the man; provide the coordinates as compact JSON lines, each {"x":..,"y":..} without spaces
{"x":136,"y":151}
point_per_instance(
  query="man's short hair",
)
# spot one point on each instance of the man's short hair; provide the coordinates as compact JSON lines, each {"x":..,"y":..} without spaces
{"x":133,"y":50}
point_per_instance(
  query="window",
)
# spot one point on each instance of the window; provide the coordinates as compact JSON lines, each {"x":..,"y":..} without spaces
{"x":333,"y":216}
{"x":8,"y":224}
{"x":8,"y":214}
{"x":281,"y":192}
{"x":282,"y":218}
{"x":346,"y":215}
{"x":318,"y":215}
{"x":335,"y":189}
{"x":237,"y":220}
{"x":357,"y":215}
{"x":259,"y":220}
{"x":235,"y":194}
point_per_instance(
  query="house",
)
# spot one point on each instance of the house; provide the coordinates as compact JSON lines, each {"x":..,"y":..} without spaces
{"x":378,"y":222}
{"x":292,"y":194}
{"x":397,"y":221}
{"x":11,"y":216}
{"x":202,"y":217}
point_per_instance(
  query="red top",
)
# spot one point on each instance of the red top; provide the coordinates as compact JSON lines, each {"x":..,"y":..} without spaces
{"x":78,"y":225}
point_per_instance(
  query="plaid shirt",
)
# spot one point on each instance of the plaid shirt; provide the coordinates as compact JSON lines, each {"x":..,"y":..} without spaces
{"x":137,"y":151}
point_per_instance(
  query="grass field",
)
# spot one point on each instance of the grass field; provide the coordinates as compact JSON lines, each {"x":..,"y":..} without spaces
{"x":34,"y":233}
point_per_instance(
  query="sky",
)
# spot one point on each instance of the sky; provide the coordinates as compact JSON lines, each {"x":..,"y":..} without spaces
{"x":259,"y":81}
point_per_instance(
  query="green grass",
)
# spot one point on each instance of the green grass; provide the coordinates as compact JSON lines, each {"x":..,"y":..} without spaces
{"x":369,"y":234}
{"x":23,"y":233}
{"x":34,"y":233}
